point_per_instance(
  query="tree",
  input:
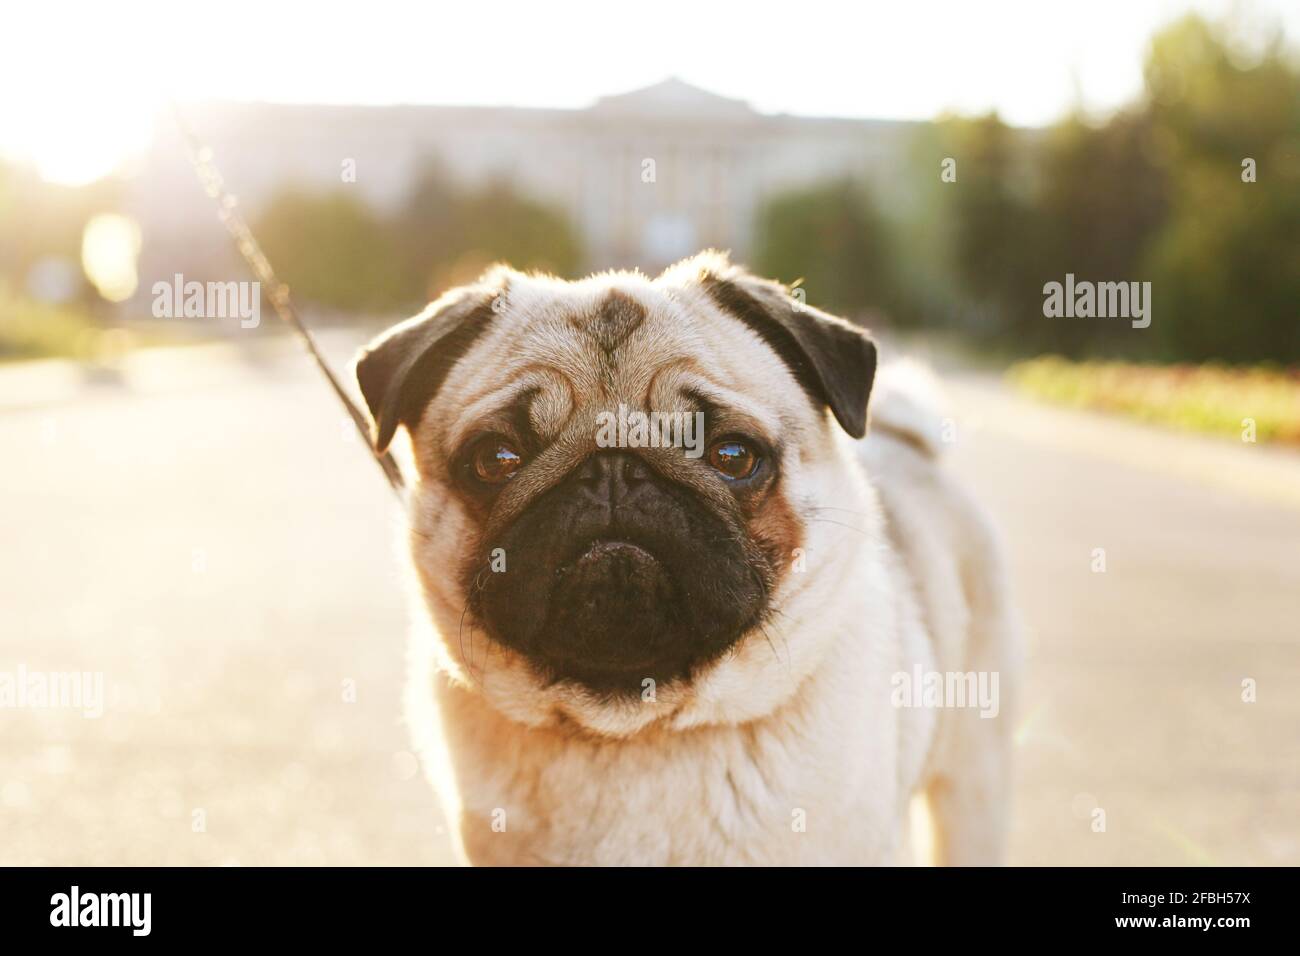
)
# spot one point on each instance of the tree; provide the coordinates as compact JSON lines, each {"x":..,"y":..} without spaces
{"x":1156,"y":192}
{"x":830,"y":236}
{"x":1226,"y":265}
{"x":1102,"y":198}
{"x":333,"y":250}
{"x":496,"y":223}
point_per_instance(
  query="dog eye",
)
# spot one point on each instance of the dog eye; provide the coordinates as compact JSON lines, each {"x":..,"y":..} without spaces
{"x":494,"y":461}
{"x":733,"y":458}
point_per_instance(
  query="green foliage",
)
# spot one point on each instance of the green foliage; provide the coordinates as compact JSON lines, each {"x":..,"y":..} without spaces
{"x":336,"y":251}
{"x":1154,"y":193}
{"x":332,"y":250}
{"x":830,"y":236}
{"x":426,"y":230}
{"x":991,"y":216}
{"x":497,"y":224}
{"x":33,"y":330}
{"x":1227,"y":261}
{"x":1101,"y":199}
{"x":1208,"y":398}
{"x":993,"y":234}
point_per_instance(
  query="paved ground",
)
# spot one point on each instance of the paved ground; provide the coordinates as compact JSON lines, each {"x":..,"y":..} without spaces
{"x":216,"y":543}
{"x":1135,"y":674}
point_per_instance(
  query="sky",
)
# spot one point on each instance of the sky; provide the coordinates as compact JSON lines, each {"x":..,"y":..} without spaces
{"x":80,"y":82}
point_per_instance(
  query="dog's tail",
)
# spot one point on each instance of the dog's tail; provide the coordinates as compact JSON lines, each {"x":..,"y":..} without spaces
{"x":907,"y":402}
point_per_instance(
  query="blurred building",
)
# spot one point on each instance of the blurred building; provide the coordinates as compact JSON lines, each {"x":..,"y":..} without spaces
{"x":647,"y":176}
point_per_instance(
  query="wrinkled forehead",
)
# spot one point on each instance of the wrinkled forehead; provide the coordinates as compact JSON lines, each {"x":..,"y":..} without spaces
{"x":555,"y":349}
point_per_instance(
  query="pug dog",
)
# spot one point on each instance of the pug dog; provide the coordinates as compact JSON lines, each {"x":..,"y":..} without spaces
{"x":655,"y":645}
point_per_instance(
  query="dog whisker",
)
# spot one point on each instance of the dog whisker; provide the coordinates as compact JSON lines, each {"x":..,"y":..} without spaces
{"x":840,"y":524}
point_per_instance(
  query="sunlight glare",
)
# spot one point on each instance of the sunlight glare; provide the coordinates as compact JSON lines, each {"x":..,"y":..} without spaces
{"x":110,"y":247}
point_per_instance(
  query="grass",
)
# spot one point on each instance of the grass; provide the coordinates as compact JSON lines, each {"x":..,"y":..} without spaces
{"x":1216,"y":399}
{"x":34,"y":330}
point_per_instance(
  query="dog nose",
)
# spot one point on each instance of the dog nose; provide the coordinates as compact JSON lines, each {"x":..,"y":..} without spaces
{"x":611,"y":476}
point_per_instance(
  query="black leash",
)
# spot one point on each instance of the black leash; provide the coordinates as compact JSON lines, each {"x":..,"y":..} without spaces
{"x":277,"y":291}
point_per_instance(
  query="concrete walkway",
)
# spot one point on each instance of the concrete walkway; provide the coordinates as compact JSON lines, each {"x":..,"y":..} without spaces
{"x":209,"y":535}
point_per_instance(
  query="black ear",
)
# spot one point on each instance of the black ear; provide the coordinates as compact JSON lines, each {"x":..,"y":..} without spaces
{"x":401,"y":371}
{"x":834,"y":361}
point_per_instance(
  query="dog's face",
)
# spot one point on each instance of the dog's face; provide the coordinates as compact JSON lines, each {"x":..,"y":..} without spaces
{"x":615,"y":476}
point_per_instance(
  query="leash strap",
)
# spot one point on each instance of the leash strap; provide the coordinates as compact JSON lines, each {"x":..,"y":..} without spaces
{"x":278,"y":293}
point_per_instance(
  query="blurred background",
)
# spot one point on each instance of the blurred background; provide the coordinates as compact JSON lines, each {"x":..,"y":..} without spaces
{"x":188,"y":513}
